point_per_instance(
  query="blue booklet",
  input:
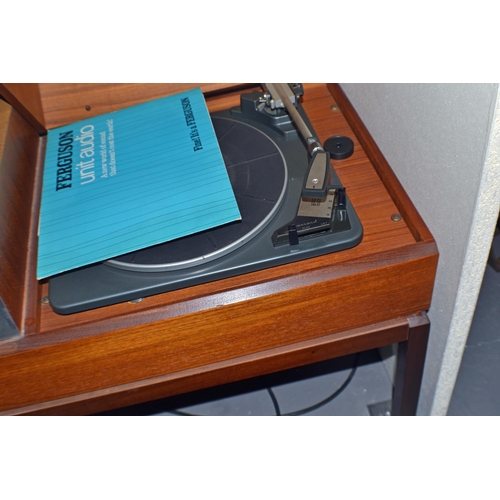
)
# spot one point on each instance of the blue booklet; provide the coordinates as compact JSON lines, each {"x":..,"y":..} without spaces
{"x":130,"y":179}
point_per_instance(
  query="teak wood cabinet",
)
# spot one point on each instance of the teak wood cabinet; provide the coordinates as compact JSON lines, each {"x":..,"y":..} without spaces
{"x":370,"y":296}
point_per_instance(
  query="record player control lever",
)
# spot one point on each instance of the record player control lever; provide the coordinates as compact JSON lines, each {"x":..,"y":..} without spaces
{"x":341,"y":203}
{"x":293,"y":236}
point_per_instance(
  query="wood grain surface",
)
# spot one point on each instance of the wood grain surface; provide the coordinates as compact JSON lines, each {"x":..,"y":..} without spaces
{"x":229,"y":370}
{"x":68,"y":103}
{"x":26,"y":99}
{"x":5,"y":112}
{"x":116,"y":355}
{"x":18,"y":201}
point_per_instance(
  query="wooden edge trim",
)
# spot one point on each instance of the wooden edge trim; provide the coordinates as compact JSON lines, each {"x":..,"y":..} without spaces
{"x":19,"y":223}
{"x":32,"y":297}
{"x":418,"y":320}
{"x":402,"y":201}
{"x":157,"y":313}
{"x":236,"y":369}
{"x":23,"y":110}
{"x":234,"y":89}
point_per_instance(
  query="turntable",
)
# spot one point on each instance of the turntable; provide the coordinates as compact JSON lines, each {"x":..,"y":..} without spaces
{"x":292,"y":203}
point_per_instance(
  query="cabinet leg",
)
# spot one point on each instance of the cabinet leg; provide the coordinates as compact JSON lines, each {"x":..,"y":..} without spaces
{"x":410,"y":367}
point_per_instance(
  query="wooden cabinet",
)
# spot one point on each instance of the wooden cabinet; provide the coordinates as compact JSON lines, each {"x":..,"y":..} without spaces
{"x":372,"y":295}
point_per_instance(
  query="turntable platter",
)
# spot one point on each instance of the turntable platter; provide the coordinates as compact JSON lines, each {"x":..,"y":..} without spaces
{"x":258,"y":174}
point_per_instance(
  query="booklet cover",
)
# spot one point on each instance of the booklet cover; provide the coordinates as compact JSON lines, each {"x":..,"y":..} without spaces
{"x":130,"y":179}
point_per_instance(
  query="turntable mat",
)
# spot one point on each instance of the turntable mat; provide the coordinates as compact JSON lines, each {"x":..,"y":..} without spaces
{"x":257,"y":172}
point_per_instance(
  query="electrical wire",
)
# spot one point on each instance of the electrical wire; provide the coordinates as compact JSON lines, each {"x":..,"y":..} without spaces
{"x":183,"y":413}
{"x":321,"y":403}
{"x":275,"y":402}
{"x":302,"y":411}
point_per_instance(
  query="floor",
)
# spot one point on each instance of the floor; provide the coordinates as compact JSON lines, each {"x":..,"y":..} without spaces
{"x":476,"y":389}
{"x":352,"y":385}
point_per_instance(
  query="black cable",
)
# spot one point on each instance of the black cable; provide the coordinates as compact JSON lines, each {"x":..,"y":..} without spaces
{"x":321,"y":403}
{"x":275,"y":402}
{"x":183,"y":413}
{"x":298,"y":412}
